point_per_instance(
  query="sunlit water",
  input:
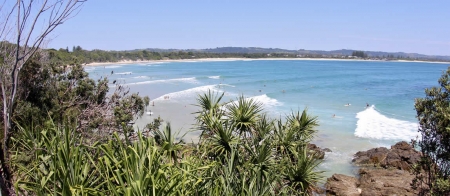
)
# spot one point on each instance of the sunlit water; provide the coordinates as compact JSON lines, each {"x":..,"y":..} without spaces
{"x":336,"y":91}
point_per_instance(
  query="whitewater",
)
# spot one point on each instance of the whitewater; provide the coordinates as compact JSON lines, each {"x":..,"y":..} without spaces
{"x":337,"y":92}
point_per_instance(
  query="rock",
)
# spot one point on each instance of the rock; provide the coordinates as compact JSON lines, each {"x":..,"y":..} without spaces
{"x":401,"y":156}
{"x":386,"y":182}
{"x":383,"y":172}
{"x":319,"y":152}
{"x":371,"y":157}
{"x":340,"y":184}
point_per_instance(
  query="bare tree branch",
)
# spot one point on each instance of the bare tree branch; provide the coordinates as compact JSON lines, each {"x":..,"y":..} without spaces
{"x":19,"y":41}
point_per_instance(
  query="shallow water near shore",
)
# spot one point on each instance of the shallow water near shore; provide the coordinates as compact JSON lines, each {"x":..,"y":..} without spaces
{"x":337,"y":92}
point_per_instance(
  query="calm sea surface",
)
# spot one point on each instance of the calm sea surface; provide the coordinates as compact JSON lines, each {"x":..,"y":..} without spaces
{"x":327,"y":88}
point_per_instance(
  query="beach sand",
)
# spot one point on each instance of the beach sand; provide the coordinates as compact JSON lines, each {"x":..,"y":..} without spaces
{"x":124,"y":62}
{"x":179,"y":115}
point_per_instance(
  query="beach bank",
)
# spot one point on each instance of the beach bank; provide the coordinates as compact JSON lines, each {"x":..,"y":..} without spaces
{"x":125,"y":62}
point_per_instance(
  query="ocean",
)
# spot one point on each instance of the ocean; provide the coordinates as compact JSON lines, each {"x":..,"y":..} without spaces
{"x":335,"y":91}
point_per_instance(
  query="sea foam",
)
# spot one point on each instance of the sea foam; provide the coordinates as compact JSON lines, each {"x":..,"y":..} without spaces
{"x":214,"y":77}
{"x":124,"y":73}
{"x":372,"y":124}
{"x":189,"y":93}
{"x":187,"y":80}
{"x":137,"y":77}
{"x":112,"y":66}
{"x":265,"y":100}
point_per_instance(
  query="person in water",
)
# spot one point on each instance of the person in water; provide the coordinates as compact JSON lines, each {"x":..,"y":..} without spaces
{"x":367,"y":105}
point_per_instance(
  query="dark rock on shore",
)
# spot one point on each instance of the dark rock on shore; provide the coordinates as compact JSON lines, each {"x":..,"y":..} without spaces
{"x":383,"y":172}
{"x":319,"y":152}
{"x":401,"y":156}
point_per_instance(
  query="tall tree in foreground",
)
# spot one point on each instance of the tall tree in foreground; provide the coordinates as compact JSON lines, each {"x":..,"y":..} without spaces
{"x":433,"y":113}
{"x":24,"y":27}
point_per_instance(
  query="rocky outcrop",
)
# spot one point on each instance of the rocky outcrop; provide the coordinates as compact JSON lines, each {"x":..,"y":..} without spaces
{"x":319,"y":152}
{"x":401,"y":156}
{"x":383,"y":172}
{"x":340,"y":184}
{"x":385,"y":182}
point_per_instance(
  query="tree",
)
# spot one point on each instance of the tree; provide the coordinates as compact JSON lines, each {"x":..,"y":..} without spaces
{"x":360,"y":54}
{"x":253,"y":154}
{"x":433,"y":113}
{"x":21,"y":38}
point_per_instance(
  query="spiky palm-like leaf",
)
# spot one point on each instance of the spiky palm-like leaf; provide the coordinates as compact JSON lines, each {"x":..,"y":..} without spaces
{"x":303,"y":125}
{"x":284,"y":138}
{"x":166,"y":139}
{"x":244,"y":114}
{"x":62,"y":166}
{"x":222,"y":141}
{"x":263,"y":129}
{"x":301,"y":174}
{"x":137,"y":169}
{"x":262,"y":167}
{"x":210,"y":112}
{"x":210,"y":101}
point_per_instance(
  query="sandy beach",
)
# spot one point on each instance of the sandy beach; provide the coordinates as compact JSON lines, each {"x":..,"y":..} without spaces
{"x":124,"y":62}
{"x":181,"y":117}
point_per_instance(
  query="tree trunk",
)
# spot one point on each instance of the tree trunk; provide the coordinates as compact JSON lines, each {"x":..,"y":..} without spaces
{"x":5,"y":175}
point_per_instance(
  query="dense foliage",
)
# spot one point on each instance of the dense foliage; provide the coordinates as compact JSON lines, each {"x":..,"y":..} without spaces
{"x":79,"y":55}
{"x":433,"y":113}
{"x":66,"y":94}
{"x":360,"y":54}
{"x":241,"y":151}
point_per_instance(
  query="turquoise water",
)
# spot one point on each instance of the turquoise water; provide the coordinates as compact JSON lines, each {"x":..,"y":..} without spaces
{"x":324,"y":87}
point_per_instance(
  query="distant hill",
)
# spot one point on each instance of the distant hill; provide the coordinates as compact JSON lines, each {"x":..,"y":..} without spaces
{"x":343,"y":52}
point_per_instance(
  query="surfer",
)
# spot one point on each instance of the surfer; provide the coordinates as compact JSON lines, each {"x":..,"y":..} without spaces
{"x":334,"y":115}
{"x":367,"y":105}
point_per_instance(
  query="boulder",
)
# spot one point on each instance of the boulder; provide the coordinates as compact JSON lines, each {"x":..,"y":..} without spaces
{"x":319,"y":152}
{"x":386,"y":182}
{"x":382,"y":172}
{"x":340,"y":184}
{"x":401,"y":156}
{"x":372,"y":157}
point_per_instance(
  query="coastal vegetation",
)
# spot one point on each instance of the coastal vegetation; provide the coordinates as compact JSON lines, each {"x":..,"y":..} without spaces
{"x":82,"y":56}
{"x":360,"y":54}
{"x":433,"y":113}
{"x":67,"y":134}
{"x":241,"y":150}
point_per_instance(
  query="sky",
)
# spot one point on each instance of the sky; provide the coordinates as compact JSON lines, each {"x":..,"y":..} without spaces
{"x":381,"y":25}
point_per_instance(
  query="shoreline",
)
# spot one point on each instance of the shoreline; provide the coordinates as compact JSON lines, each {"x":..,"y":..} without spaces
{"x":125,"y":62}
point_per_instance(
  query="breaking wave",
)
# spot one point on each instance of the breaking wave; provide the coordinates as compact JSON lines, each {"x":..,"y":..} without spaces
{"x":214,"y":77}
{"x":124,"y":73}
{"x":189,"y":93}
{"x":187,"y":80}
{"x":112,"y":66}
{"x":373,"y":124}
{"x":265,"y":100}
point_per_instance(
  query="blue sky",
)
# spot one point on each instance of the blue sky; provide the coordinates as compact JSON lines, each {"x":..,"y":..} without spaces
{"x":393,"y":26}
